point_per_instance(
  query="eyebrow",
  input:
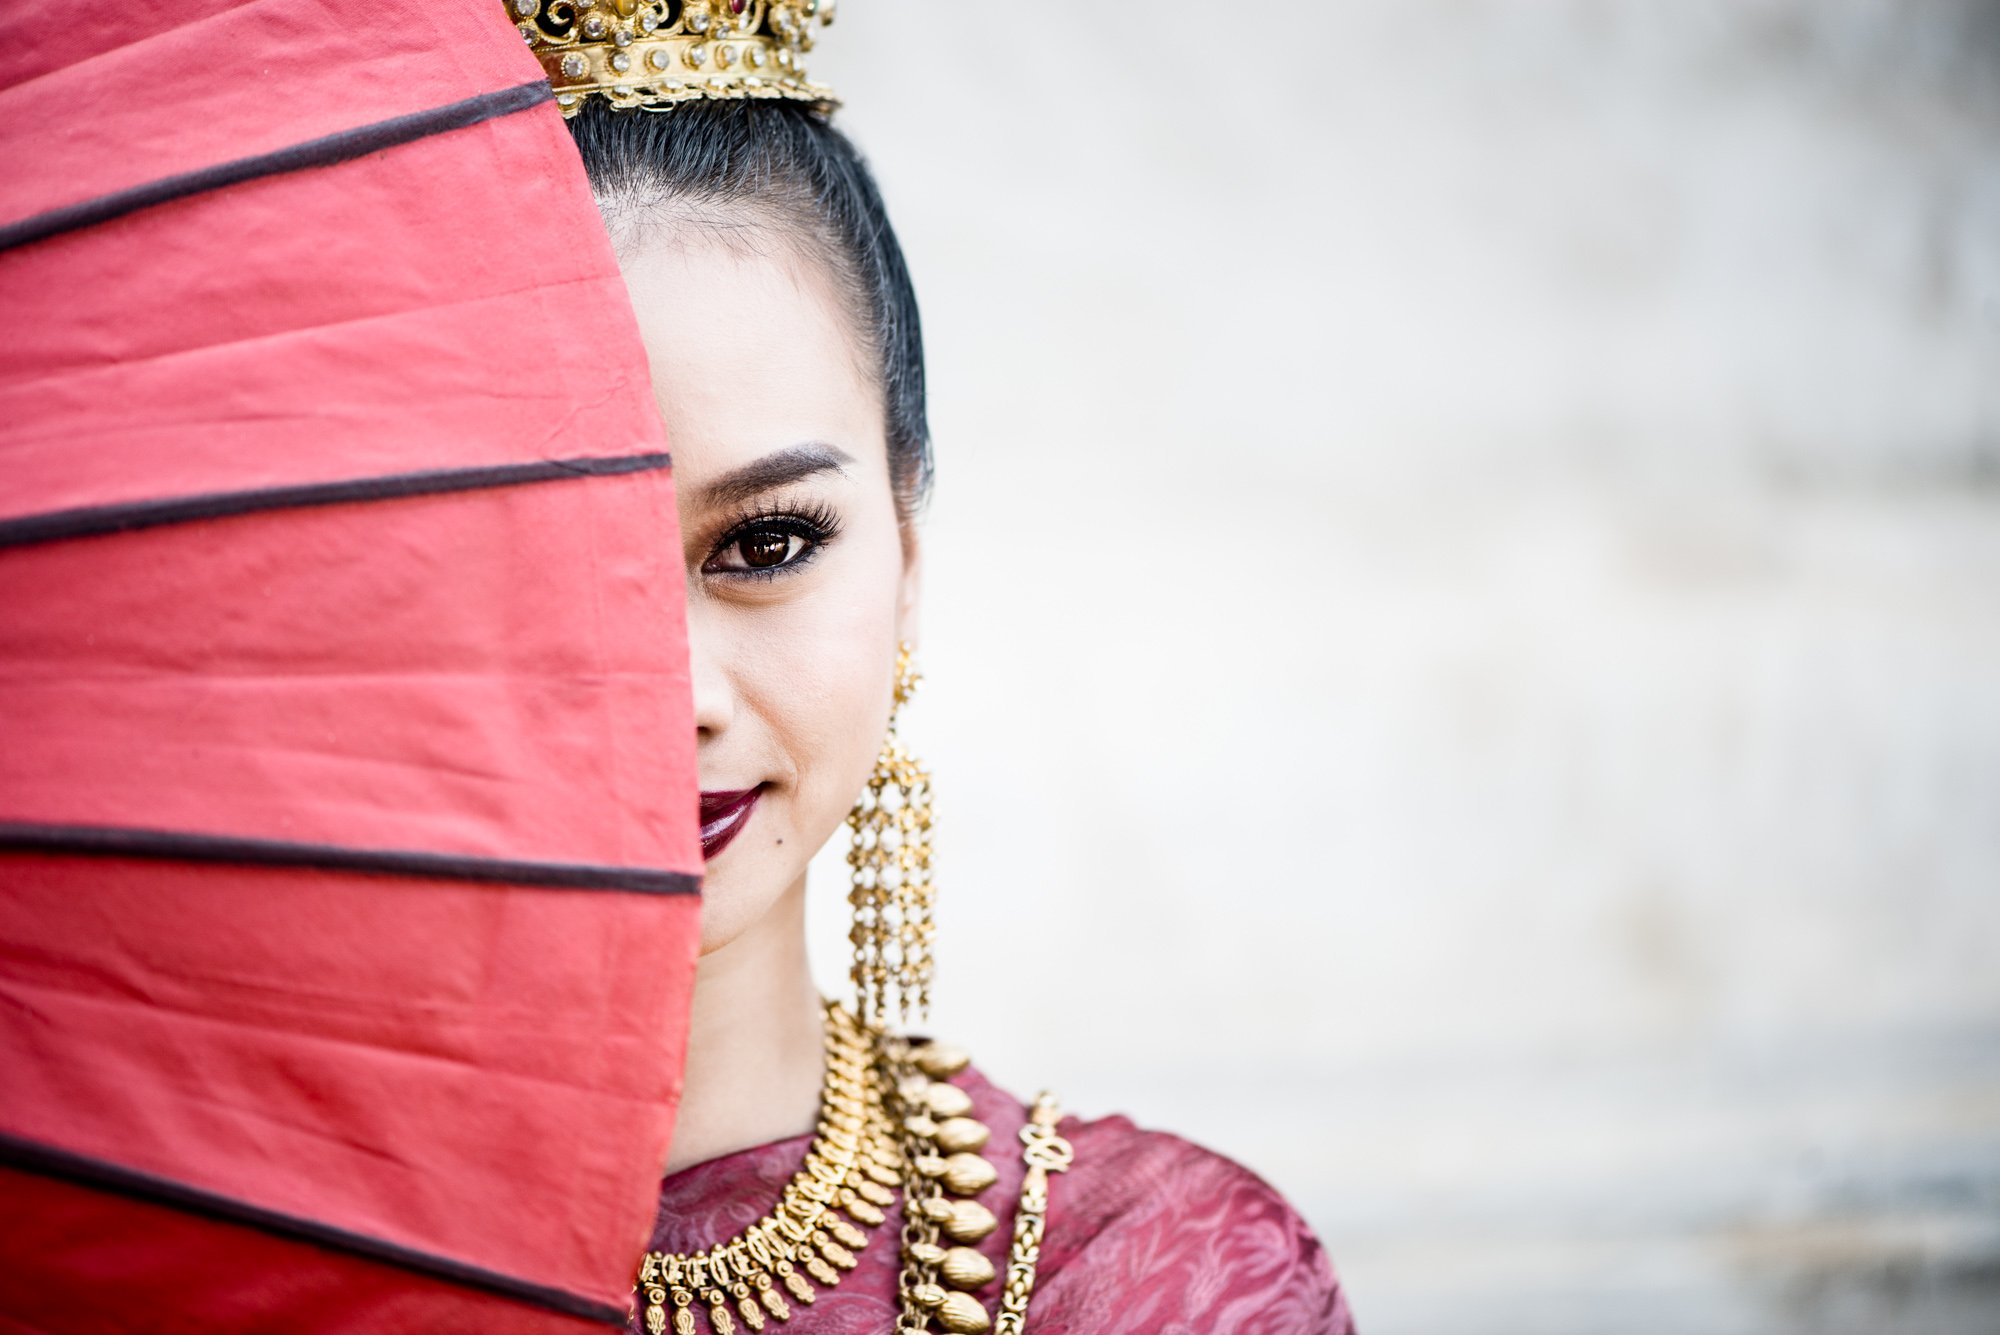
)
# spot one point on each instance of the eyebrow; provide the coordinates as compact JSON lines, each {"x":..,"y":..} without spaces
{"x":776,"y":469}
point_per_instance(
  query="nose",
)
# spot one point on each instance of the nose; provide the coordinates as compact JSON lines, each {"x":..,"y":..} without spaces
{"x":714,"y":701}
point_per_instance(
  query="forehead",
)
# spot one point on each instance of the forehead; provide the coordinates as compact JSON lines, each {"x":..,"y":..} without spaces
{"x":750,"y":348}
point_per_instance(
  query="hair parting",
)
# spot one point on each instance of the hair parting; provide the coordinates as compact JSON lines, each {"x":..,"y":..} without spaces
{"x":733,"y":165}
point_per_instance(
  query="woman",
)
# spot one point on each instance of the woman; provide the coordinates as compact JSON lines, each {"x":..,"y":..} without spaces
{"x":782,"y":333}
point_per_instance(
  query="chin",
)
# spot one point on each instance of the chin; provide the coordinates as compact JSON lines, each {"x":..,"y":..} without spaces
{"x":725,"y":914}
{"x":734,"y":898}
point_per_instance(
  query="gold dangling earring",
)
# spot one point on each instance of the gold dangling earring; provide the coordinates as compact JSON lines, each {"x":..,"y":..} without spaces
{"x":892,"y":896}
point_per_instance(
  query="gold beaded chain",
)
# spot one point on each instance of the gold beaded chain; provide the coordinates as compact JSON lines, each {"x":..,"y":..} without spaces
{"x":1046,"y":1152}
{"x":889,"y":1115}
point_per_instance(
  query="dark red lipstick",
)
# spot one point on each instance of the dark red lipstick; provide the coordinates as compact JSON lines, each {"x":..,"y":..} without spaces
{"x":723,"y":816}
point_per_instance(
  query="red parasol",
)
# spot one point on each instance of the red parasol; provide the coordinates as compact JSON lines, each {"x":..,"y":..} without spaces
{"x":347,"y":793}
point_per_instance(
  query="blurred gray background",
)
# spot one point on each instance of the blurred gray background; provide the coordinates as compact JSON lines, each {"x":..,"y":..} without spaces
{"x":1463,"y":625}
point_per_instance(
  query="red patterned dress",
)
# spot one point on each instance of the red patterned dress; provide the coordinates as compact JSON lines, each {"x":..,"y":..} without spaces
{"x":1146,"y":1235}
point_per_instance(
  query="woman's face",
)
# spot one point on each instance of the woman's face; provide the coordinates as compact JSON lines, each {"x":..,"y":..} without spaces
{"x":799,"y":580}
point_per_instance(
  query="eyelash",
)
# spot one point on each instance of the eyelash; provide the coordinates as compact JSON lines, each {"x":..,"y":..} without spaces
{"x":815,"y":525}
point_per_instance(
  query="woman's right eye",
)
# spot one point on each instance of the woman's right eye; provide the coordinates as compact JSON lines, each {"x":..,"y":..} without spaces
{"x":766,"y":548}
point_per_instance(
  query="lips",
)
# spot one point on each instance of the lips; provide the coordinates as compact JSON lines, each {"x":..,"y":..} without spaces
{"x":723,"y":816}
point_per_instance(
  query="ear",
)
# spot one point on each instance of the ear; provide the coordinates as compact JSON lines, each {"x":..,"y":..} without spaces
{"x":910,"y":586}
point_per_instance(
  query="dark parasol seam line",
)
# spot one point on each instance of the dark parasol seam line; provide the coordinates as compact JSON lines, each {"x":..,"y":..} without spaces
{"x":48,"y":1161}
{"x":110,"y":841}
{"x":322,"y":152}
{"x":92,"y":521}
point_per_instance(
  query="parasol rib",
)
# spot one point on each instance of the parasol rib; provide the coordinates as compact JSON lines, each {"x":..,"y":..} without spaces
{"x":49,"y":1161}
{"x":321,"y":152}
{"x":96,"y":520}
{"x":183,"y":846}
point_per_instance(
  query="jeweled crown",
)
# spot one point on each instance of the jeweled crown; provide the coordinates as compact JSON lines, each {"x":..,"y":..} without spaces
{"x":654,"y":53}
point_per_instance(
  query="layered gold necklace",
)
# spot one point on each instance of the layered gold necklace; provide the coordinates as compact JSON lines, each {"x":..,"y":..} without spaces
{"x":889,"y":1117}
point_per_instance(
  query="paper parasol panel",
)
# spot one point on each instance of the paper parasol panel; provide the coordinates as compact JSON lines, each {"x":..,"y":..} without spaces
{"x":348,"y":860}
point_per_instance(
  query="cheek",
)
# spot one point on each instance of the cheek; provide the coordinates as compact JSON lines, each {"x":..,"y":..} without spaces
{"x":818,"y":674}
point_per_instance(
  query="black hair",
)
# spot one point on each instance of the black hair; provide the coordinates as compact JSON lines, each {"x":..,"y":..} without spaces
{"x":786,"y":162}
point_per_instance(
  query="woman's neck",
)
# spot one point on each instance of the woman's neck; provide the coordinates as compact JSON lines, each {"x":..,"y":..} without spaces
{"x":755,"y":1041}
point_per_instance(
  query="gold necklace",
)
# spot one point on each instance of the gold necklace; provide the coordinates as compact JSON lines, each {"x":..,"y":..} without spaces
{"x":841,"y":1190}
{"x":888,"y":1115}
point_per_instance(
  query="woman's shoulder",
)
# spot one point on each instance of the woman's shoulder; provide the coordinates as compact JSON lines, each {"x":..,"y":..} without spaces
{"x":1149,"y":1232}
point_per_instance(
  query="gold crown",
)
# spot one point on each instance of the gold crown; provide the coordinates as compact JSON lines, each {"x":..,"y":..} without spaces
{"x":652,"y":53}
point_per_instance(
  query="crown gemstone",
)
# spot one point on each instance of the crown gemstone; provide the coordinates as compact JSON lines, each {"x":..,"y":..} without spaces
{"x":525,"y":8}
{"x":737,"y":49}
